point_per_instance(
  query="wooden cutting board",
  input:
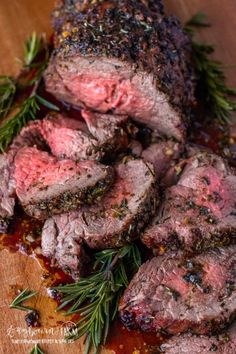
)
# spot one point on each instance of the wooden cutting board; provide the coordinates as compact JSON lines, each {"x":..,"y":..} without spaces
{"x":18,"y":18}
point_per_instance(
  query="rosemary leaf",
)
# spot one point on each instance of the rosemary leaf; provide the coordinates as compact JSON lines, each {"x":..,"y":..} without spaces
{"x":32,"y":48}
{"x":46,"y":103}
{"x":96,"y":298}
{"x":7,"y":95}
{"x":22,"y":297}
{"x":198,"y":20}
{"x":36,"y":350}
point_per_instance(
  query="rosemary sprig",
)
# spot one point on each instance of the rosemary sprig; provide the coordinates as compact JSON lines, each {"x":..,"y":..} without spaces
{"x":211,"y":77}
{"x":29,"y":108}
{"x":36,"y":350}
{"x":26,"y":111}
{"x":7,"y":94}
{"x":10,"y":86}
{"x":96,"y":297}
{"x":212,"y":80}
{"x":22,"y":297}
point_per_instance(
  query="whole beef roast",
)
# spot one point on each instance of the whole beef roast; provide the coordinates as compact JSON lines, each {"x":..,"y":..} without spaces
{"x":46,"y":186}
{"x":123,"y":56}
{"x":177,"y":294}
{"x":73,"y":139}
{"x":188,"y":343}
{"x":200,"y":211}
{"x":29,"y":136}
{"x":125,"y":210}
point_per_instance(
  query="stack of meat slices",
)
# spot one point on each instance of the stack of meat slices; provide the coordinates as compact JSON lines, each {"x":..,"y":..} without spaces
{"x":190,"y":284}
{"x":97,"y":184}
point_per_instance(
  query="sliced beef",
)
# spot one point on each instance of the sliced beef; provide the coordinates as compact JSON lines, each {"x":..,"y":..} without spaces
{"x":177,"y":294}
{"x":29,"y":136}
{"x":162,"y":155}
{"x":73,"y":139}
{"x":125,"y":210}
{"x":68,"y":138}
{"x":46,"y":186}
{"x":7,"y":200}
{"x":188,"y":343}
{"x":111,"y":131}
{"x":200,"y":211}
{"x":125,"y":57}
{"x":68,"y":250}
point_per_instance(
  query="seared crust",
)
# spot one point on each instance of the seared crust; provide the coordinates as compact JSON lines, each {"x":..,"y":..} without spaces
{"x":178,"y":293}
{"x":198,"y":213}
{"x":130,"y":31}
{"x":70,"y":201}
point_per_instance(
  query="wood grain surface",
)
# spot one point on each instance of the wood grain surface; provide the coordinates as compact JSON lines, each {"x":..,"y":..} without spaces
{"x":18,"y":18}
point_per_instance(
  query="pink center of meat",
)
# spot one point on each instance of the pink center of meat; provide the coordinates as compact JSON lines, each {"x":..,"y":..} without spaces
{"x":105,"y":94}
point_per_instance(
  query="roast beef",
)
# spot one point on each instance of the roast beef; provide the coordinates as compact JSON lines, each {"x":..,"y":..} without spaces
{"x":200,"y":211}
{"x":135,"y":148}
{"x":162,"y":155}
{"x":68,"y":250}
{"x":73,"y":139}
{"x":177,"y":294}
{"x":123,"y":213}
{"x":46,"y":186}
{"x":188,"y":343}
{"x":29,"y":136}
{"x":7,"y":200}
{"x":123,"y":56}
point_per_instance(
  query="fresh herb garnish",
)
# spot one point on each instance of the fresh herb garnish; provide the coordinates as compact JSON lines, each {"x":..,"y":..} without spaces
{"x":29,"y":108}
{"x":96,"y":297}
{"x":32,"y":47}
{"x":36,"y":350}
{"x":22,"y":297}
{"x":26,"y":111}
{"x":7,"y":94}
{"x":198,"y":20}
{"x":211,"y":77}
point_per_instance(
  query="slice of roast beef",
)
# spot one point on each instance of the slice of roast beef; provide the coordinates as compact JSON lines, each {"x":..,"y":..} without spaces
{"x":69,"y":250}
{"x":7,"y":191}
{"x":73,"y":139}
{"x":123,"y":56}
{"x":68,"y":138}
{"x":163,"y":155}
{"x":46,"y":186}
{"x":111,"y":131}
{"x":188,"y":343}
{"x":29,"y":136}
{"x":177,"y":294}
{"x":120,"y":217}
{"x":200,"y":211}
